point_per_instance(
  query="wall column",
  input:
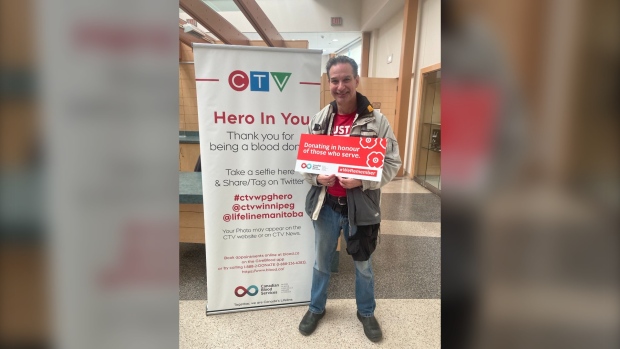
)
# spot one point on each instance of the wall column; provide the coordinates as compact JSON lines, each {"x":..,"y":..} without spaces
{"x":410,"y":20}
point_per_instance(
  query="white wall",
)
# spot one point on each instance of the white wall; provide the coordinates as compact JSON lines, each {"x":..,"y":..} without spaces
{"x":388,"y":41}
{"x":426,"y":53}
{"x":324,"y":59}
{"x":376,"y":12}
{"x":430,"y":34}
{"x":369,"y":8}
{"x":354,"y":52}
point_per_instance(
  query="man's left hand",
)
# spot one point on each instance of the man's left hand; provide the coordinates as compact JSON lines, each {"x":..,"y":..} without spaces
{"x":349,"y":183}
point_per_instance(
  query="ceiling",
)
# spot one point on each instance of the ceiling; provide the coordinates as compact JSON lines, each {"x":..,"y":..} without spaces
{"x":328,"y":42}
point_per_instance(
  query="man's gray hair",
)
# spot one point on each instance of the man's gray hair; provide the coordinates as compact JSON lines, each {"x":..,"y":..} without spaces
{"x":339,"y":60}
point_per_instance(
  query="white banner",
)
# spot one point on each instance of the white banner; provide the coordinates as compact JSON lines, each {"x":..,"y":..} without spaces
{"x":253,"y":104}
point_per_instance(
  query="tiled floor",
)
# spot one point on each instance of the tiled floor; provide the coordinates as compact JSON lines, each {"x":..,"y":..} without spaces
{"x":407,"y":288}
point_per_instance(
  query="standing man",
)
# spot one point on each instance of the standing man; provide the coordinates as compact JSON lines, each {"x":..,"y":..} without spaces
{"x":336,"y":203}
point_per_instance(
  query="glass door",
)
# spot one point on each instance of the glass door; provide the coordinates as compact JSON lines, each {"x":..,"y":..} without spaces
{"x":428,"y":164}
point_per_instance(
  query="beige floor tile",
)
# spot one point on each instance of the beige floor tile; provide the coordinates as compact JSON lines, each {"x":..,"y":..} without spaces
{"x":403,"y":185}
{"x":411,"y":228}
{"x":406,"y":323}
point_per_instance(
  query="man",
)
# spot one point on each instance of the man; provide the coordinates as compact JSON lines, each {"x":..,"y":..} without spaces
{"x":336,"y":203}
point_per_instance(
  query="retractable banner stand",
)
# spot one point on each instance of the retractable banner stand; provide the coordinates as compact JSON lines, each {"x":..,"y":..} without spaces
{"x":253,"y":105}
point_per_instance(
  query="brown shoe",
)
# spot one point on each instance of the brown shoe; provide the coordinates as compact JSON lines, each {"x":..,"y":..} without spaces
{"x":309,"y":322}
{"x":372,"y":330}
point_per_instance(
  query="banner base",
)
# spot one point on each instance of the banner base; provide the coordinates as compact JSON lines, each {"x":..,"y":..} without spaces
{"x":260,"y":307}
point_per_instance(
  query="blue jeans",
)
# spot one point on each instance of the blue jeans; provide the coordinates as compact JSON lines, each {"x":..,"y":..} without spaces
{"x":327,"y":231}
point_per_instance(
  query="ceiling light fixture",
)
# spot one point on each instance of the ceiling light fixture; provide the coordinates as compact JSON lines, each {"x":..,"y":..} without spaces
{"x":189,"y":28}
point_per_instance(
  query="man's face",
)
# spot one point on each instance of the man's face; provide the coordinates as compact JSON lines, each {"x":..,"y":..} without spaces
{"x":342,"y":83}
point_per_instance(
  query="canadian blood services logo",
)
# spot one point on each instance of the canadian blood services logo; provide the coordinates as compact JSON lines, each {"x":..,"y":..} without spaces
{"x":241,"y":291}
{"x":308,"y":166}
{"x":257,"y":80}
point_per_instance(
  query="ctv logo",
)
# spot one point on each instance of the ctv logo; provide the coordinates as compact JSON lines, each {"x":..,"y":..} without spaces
{"x":257,"y":81}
